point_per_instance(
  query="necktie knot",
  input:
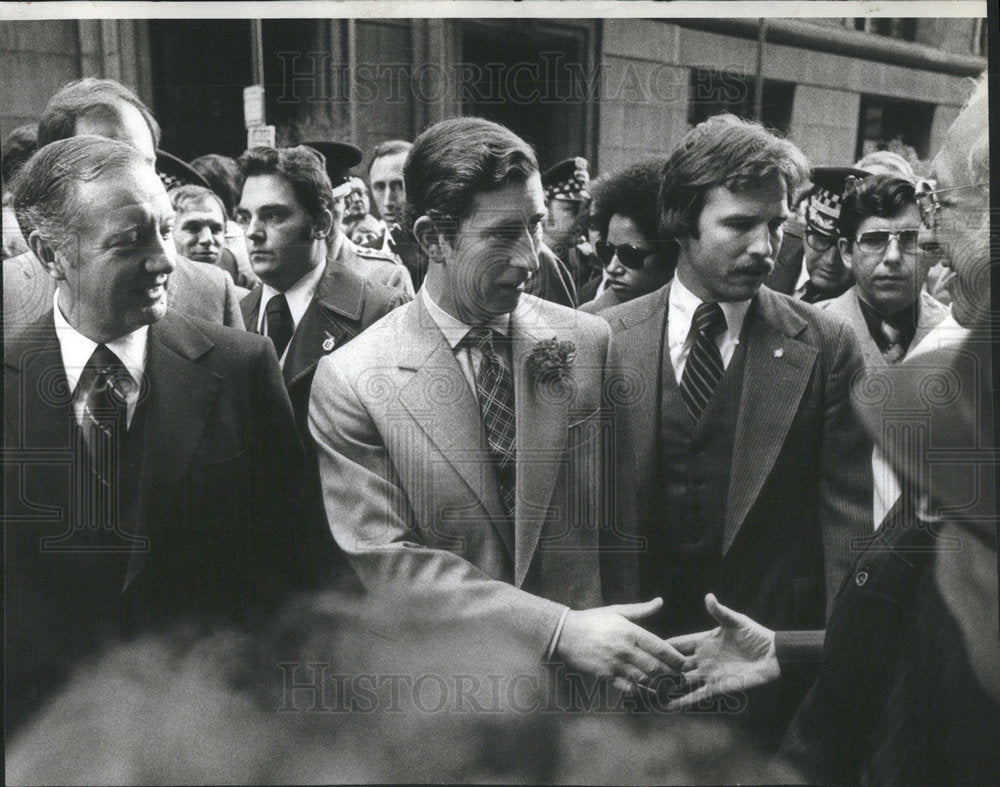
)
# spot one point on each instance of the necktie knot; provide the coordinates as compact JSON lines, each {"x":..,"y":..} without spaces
{"x":105,"y":380}
{"x":709,"y":319}
{"x":481,"y":338}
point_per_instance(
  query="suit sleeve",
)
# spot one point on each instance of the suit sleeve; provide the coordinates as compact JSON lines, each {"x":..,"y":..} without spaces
{"x":372,"y":522}
{"x":403,"y":281}
{"x":845,"y":479}
{"x":232,"y":315}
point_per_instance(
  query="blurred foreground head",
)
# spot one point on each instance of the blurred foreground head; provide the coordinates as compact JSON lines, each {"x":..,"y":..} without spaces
{"x":336,"y":693}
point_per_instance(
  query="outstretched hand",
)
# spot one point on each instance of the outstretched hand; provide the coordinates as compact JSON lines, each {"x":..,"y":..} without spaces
{"x":606,"y":643}
{"x":736,"y":656}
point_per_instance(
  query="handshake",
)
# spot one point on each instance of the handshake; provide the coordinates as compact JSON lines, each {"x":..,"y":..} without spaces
{"x":606,"y":642}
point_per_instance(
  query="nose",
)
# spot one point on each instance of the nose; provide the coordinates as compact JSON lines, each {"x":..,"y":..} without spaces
{"x":254,"y":231}
{"x":891,"y":255}
{"x":615,"y":267}
{"x":205,"y":237}
{"x":525,"y":255}
{"x":160,"y":258}
{"x":760,"y":245}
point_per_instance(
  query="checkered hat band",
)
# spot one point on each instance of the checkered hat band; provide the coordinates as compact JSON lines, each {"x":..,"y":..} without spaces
{"x":824,"y":210}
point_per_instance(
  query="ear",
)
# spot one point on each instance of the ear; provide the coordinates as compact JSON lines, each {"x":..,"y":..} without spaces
{"x":323,"y":225}
{"x":845,"y":252}
{"x":431,"y":241}
{"x":52,"y":259}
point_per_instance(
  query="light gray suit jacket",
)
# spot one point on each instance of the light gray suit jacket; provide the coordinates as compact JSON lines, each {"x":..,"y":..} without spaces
{"x":930,"y":313}
{"x":411,"y":493}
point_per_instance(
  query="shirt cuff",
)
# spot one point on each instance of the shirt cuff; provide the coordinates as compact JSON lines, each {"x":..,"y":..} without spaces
{"x":551,"y":650}
{"x":793,"y":648}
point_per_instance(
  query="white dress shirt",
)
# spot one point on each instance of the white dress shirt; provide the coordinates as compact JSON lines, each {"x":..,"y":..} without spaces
{"x":454,"y":330}
{"x":680,"y":313}
{"x":299,"y":296}
{"x":76,"y":350}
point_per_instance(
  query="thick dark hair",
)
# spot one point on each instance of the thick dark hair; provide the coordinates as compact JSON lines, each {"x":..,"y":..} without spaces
{"x":85,"y":95}
{"x":878,"y":195}
{"x":454,"y":160}
{"x":45,"y":189}
{"x":722,"y":151}
{"x":17,"y":149}
{"x":301,"y":166}
{"x":631,"y":192}
{"x":389,"y":148}
{"x":223,"y":177}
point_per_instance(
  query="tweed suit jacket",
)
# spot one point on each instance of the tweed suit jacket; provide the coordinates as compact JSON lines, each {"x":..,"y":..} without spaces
{"x":411,"y":492}
{"x":800,"y":481}
{"x":194,"y":288}
{"x":931,"y":312}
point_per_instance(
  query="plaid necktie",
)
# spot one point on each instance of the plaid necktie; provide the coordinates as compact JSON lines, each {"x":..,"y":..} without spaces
{"x":279,"y":322}
{"x":495,"y":388}
{"x":704,"y":368}
{"x":893,"y":351}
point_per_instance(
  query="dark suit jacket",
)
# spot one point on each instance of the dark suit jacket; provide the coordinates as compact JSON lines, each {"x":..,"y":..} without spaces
{"x":208,"y":497}
{"x":194,"y":289}
{"x":800,"y":480}
{"x":343,"y":306}
{"x":896,"y":700}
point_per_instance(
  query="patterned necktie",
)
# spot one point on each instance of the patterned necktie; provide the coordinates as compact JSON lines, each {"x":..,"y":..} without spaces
{"x":893,"y":351}
{"x":106,"y":385}
{"x":495,"y":388}
{"x":704,"y":367}
{"x":279,"y":322}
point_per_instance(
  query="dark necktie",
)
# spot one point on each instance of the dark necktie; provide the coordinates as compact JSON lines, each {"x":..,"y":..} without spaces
{"x":704,"y":368}
{"x":106,"y":385}
{"x":279,"y":322}
{"x":495,"y":389}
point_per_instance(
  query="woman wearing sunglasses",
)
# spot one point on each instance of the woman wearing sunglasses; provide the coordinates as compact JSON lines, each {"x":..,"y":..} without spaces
{"x":626,"y":215}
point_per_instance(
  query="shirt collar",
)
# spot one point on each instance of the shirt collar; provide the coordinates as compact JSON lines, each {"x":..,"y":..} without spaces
{"x":299,"y":295}
{"x":683,"y":303}
{"x":454,"y":329}
{"x":76,"y":348}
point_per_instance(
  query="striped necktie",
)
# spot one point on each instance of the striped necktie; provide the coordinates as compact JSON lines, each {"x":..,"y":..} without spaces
{"x":704,"y":367}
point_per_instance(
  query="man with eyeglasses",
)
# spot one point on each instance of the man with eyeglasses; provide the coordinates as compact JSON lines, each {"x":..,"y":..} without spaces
{"x":887,"y":306}
{"x":824,"y":275}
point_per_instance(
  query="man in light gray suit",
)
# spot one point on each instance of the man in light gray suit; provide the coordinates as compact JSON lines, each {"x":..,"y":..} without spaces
{"x":463,"y":443}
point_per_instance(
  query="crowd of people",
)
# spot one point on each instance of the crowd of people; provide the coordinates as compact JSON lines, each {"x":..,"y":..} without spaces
{"x":700,"y":431}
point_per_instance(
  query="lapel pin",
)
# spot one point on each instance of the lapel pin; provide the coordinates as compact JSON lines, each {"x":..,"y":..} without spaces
{"x":779,"y":352}
{"x":328,"y":342}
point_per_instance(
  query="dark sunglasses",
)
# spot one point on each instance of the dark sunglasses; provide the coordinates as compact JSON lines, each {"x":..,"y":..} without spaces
{"x":629,"y":255}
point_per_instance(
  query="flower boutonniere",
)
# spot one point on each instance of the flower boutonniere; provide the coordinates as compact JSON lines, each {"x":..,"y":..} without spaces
{"x":551,"y":360}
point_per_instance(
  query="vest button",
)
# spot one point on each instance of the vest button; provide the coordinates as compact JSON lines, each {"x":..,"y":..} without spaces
{"x":861,"y":578}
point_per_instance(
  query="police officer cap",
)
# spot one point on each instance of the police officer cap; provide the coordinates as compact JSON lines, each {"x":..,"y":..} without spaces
{"x":339,"y":157}
{"x":827,"y":195}
{"x":173,"y":172}
{"x":567,"y":180}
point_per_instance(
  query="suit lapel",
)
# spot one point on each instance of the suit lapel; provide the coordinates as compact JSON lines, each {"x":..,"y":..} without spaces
{"x":542,"y":416}
{"x":179,"y":404}
{"x":931,"y":313}
{"x":454,"y":425}
{"x":869,"y":350}
{"x":332,"y":317}
{"x":776,"y":372}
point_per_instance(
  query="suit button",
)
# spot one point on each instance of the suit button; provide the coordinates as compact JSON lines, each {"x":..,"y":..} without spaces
{"x":861,"y":578}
